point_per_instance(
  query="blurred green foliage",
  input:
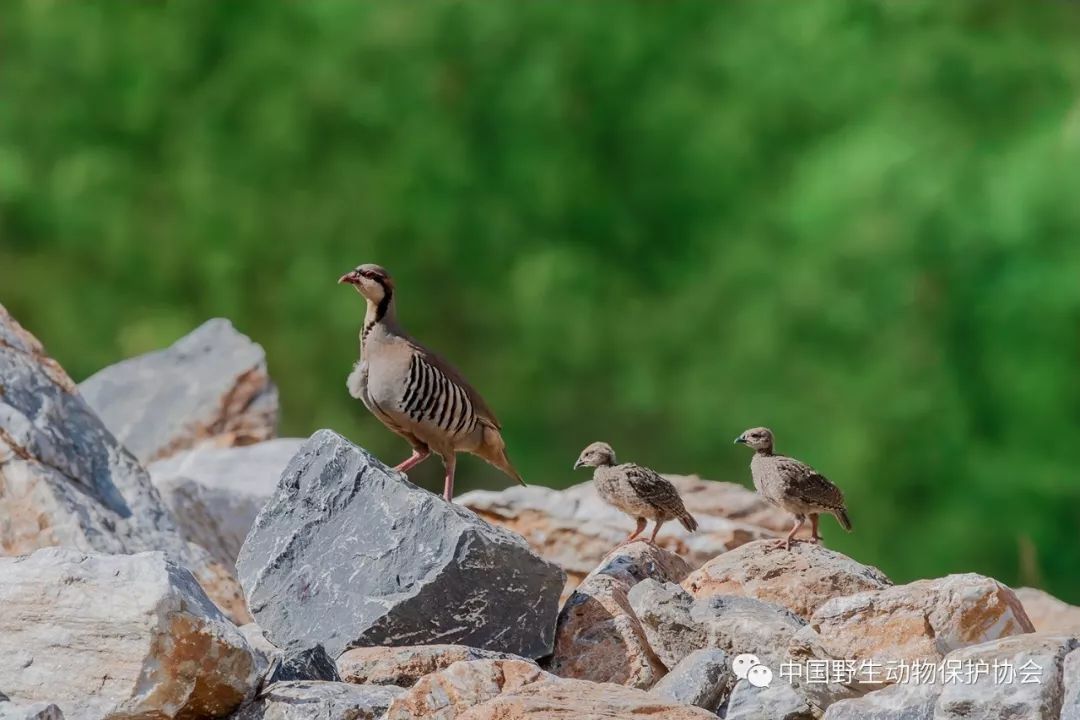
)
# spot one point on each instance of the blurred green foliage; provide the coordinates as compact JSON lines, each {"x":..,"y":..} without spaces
{"x":651,"y":223}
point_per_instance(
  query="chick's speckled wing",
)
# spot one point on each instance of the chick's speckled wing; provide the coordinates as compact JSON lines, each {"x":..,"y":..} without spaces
{"x":808,"y":484}
{"x":654,"y":489}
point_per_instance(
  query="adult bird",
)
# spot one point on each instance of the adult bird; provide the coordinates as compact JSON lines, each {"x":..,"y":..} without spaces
{"x":792,"y":486}
{"x":641,"y":493}
{"x":414,"y":392}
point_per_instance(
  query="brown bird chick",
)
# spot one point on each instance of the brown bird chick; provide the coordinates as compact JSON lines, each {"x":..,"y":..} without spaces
{"x":792,"y":486}
{"x":638,"y":491}
{"x":414,"y":392}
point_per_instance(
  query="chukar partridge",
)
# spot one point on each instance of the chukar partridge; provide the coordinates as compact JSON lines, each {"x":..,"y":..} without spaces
{"x":414,"y":392}
{"x":638,"y":491}
{"x":792,"y":486}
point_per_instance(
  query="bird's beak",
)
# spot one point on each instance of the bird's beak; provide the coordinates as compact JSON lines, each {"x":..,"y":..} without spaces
{"x":350,"y":278}
{"x":577,"y":464}
{"x":740,"y":440}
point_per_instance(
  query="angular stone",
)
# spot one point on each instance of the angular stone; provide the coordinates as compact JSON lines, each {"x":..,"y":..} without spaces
{"x":663,"y":609}
{"x":923,"y":621}
{"x":310,"y":664}
{"x":576,"y":529}
{"x":1035,"y":693}
{"x":517,"y":690}
{"x":598,"y":637}
{"x":910,"y":701}
{"x":37,"y":711}
{"x":210,"y":386}
{"x":403,"y":666}
{"x":778,"y":701}
{"x":117,"y":636}
{"x":1070,"y":704}
{"x":741,"y":625}
{"x":1047,"y":613}
{"x":263,"y":650}
{"x":703,"y":679}
{"x":216,"y":493}
{"x":349,"y":553}
{"x":800,"y":579}
{"x":318,"y":700}
{"x":64,"y":480}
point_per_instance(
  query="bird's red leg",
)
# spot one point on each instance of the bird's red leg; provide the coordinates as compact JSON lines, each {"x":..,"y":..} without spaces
{"x":786,"y":542}
{"x":656,"y":529}
{"x":448,"y":488}
{"x":814,"y":537}
{"x":640,"y":526}
{"x":413,"y":460}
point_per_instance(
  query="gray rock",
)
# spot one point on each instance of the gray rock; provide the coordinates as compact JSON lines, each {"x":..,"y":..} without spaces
{"x":1070,"y":703}
{"x":111,"y":636}
{"x":350,"y":553}
{"x":778,"y":701}
{"x":1035,"y":692}
{"x":740,"y":625}
{"x":4,"y":698}
{"x":310,"y":664}
{"x":909,"y":701}
{"x":215,"y":493}
{"x":664,"y":612}
{"x":37,"y":711}
{"x":263,"y":650}
{"x":307,"y":700}
{"x":210,"y":384}
{"x":67,"y":481}
{"x":703,"y":678}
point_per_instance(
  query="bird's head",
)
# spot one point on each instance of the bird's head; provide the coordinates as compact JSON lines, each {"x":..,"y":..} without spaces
{"x":371,"y":281}
{"x":596,"y":455}
{"x":759,"y":439}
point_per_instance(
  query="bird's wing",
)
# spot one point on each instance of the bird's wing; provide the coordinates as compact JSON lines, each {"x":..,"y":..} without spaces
{"x":808,"y":484}
{"x":653,"y":489}
{"x":480,"y":408}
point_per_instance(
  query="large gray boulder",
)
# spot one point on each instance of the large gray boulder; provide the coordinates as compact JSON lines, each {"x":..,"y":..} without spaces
{"x":216,"y":493}
{"x":210,"y":385}
{"x":64,"y":479}
{"x":349,"y":553}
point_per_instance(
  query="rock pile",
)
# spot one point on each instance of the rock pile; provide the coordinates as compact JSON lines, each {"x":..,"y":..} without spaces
{"x":375,"y":600}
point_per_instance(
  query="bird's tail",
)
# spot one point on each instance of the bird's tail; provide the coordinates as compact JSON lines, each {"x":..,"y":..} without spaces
{"x":688,"y":521}
{"x":493,"y":449}
{"x":843,"y":519}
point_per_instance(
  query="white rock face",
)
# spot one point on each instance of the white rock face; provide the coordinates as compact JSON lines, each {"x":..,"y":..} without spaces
{"x":216,"y":493}
{"x":210,"y":386}
{"x":117,"y":636}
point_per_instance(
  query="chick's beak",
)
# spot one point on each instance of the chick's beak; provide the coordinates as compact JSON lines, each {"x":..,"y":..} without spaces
{"x":740,"y":440}
{"x":577,"y":464}
{"x":350,"y":278}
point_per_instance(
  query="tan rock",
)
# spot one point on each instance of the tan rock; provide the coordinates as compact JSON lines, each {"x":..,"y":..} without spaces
{"x":447,"y":694}
{"x":516,"y":689}
{"x":403,"y":666}
{"x":1047,"y":613}
{"x":117,"y":636}
{"x":598,"y":637}
{"x":576,"y":529}
{"x":801,"y":579}
{"x":922,"y":621}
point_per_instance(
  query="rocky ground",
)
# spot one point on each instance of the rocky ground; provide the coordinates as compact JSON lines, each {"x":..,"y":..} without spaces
{"x":163,"y":556}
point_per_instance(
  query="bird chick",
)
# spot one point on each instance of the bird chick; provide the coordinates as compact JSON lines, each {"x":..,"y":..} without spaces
{"x":415,"y":393}
{"x":792,"y":486}
{"x":638,"y":491}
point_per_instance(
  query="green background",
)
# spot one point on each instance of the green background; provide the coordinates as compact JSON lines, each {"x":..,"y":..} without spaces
{"x":651,"y":223}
